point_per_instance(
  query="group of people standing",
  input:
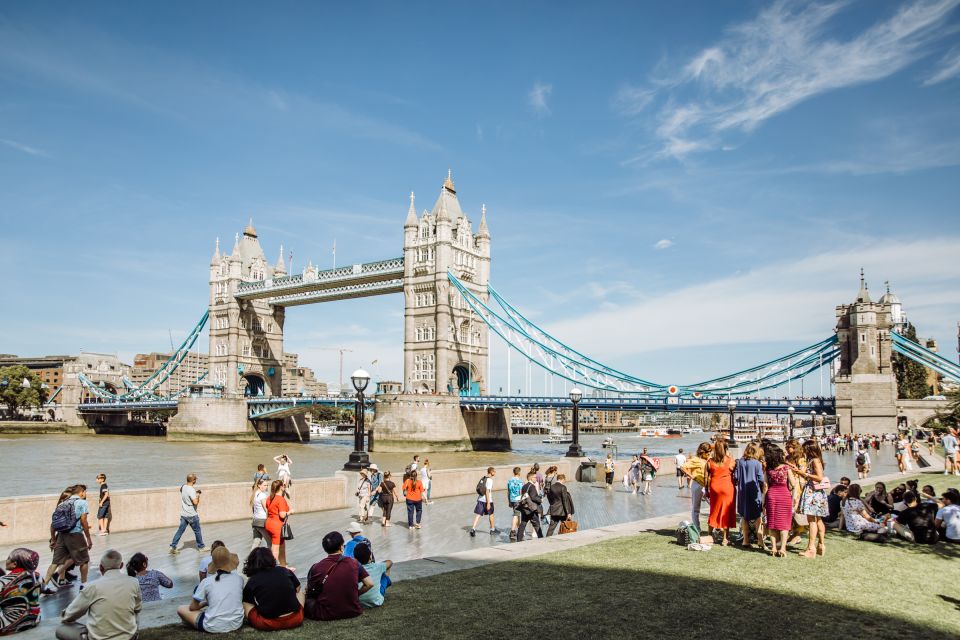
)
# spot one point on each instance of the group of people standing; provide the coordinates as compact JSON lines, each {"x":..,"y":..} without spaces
{"x":376,"y":488}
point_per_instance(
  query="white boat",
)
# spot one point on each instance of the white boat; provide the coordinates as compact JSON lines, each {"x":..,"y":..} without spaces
{"x":692,"y":430}
{"x":607,"y":443}
{"x":557,"y":436}
{"x":321,"y":430}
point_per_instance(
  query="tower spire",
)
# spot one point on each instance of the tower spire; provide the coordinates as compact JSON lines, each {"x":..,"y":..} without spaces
{"x":482,"y":230}
{"x":281,"y":267}
{"x":864,"y":295}
{"x":216,"y":252}
{"x":411,"y":214}
{"x":448,"y":183}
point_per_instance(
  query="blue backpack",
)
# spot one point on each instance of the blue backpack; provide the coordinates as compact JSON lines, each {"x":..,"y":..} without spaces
{"x":65,"y":516}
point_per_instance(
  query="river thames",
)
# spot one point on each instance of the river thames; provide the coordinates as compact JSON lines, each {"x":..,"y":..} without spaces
{"x":48,"y":463}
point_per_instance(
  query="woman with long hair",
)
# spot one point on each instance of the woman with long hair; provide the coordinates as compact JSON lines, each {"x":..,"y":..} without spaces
{"x":750,"y":486}
{"x":879,"y":500}
{"x":138,"y":566}
{"x":695,"y":468}
{"x":813,"y":499}
{"x":272,"y":597}
{"x":278,"y":510}
{"x":723,"y":512}
{"x":413,"y":493}
{"x":386,"y":493}
{"x":258,"y":506}
{"x":856,"y":518}
{"x":795,"y":459}
{"x":779,"y":501}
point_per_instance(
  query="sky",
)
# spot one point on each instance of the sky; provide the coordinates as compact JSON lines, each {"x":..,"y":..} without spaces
{"x":679,"y":190}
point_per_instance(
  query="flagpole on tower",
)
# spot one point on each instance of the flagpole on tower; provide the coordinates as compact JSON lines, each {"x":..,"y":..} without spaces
{"x":334,"y":253}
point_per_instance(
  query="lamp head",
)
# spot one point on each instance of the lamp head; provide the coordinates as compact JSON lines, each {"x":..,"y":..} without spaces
{"x":791,"y":409}
{"x":731,"y":405}
{"x":575,"y":394}
{"x":360,"y":380}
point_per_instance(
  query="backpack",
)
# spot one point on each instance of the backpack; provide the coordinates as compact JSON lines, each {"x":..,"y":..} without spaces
{"x":64,"y":516}
{"x":482,"y":486}
{"x":861,"y":460}
{"x":687,"y":533}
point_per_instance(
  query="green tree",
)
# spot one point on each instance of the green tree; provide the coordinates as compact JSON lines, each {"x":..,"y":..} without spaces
{"x":16,"y":396}
{"x":950,"y":416}
{"x":911,"y":376}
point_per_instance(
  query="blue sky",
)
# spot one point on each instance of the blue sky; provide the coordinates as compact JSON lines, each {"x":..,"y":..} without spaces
{"x":680,"y":189}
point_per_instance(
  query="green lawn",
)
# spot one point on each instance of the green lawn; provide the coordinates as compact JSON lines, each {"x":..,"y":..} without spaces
{"x":647,"y":586}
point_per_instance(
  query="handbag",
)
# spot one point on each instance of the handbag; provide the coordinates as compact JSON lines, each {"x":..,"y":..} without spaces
{"x":286,"y":531}
{"x":823,"y":485}
{"x":568,"y":526}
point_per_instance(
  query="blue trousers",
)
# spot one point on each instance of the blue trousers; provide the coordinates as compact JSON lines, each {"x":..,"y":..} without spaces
{"x":194,"y":523}
{"x":411,"y":507}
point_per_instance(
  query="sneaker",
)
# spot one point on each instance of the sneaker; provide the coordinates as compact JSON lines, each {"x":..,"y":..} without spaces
{"x":70,"y":576}
{"x":495,"y":531}
{"x":473,"y":532}
{"x":48,"y":590}
{"x":61,"y":582}
{"x":513,"y":534}
{"x":174,"y":551}
{"x":201,"y":547}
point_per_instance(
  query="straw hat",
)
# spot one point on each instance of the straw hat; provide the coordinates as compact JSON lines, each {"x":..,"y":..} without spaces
{"x":223,"y":560}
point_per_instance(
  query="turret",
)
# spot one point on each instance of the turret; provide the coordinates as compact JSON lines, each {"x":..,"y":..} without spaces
{"x":280,"y":269}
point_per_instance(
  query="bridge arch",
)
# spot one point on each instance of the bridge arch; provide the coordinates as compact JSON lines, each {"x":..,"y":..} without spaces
{"x":255,"y":384}
{"x":466,"y":379}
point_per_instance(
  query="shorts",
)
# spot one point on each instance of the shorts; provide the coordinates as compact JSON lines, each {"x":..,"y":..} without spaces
{"x":259,"y":530}
{"x":72,"y":546}
{"x":515,"y":506}
{"x":481,"y":508}
{"x":680,"y":473}
{"x":275,"y":624}
{"x":608,"y":478}
{"x":104,"y":512}
{"x":952,"y":457}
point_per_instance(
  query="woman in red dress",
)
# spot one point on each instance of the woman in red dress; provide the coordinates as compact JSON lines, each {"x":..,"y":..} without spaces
{"x":277,"y":511}
{"x":779,"y":500}
{"x":723,"y":510}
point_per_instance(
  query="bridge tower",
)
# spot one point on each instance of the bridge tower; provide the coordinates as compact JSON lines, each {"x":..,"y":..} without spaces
{"x":866,"y":386}
{"x":246,"y":336}
{"x":445,"y":345}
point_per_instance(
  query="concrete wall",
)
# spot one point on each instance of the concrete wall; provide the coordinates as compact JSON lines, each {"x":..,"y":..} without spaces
{"x":211,"y":419}
{"x":420,"y":422}
{"x":28,"y":517}
{"x":919,"y":411}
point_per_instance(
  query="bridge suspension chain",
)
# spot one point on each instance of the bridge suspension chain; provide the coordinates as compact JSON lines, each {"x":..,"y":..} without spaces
{"x":924,"y":356}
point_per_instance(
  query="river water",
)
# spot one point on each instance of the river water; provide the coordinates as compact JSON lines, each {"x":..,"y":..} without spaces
{"x":44,"y":464}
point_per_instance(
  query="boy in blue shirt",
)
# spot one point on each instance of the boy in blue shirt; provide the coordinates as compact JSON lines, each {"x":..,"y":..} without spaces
{"x":514,"y":485}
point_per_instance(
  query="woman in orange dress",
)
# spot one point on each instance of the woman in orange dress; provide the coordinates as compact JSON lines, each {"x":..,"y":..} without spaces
{"x":723,"y":510}
{"x":278,"y":509}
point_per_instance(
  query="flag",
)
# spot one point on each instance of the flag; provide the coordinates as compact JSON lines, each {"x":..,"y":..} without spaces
{"x":375,"y":362}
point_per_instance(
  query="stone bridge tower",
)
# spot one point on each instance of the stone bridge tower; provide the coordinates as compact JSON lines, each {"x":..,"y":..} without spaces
{"x":445,"y":346}
{"x":865,"y":382}
{"x":246,"y":336}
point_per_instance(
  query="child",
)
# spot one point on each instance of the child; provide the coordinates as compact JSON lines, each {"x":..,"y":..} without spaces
{"x":150,"y":579}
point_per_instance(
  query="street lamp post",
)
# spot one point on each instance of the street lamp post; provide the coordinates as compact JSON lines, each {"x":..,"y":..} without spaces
{"x":731,"y":441}
{"x":813,"y":424}
{"x":899,"y":415}
{"x":790,"y":411}
{"x":358,"y":458}
{"x":575,"y":450}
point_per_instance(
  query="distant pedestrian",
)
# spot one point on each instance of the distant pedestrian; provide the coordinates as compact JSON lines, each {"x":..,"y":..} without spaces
{"x":376,"y":477}
{"x":561,"y":503}
{"x":355,"y":531}
{"x":189,"y":501}
{"x":648,"y":471}
{"x":950,"y":446}
{"x":283,"y":469}
{"x":530,"y":501}
{"x":484,"y":504}
{"x":682,"y":478}
{"x":363,"y":496}
{"x":414,"y":465}
{"x":150,"y":579}
{"x":387,"y":495}
{"x":73,"y":541}
{"x":514,"y":485}
{"x":413,"y":494}
{"x":278,"y":510}
{"x":104,"y":514}
{"x":634,"y":474}
{"x":426,"y":477}
{"x":608,"y":471}
{"x":260,"y":475}
{"x":258,"y":505}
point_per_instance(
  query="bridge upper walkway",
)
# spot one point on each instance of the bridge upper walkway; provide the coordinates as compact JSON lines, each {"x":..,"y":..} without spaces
{"x":351,"y":281}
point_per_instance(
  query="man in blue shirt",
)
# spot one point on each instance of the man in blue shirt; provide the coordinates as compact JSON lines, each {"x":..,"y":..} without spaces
{"x":356,"y":537}
{"x":514,"y":485}
{"x":75,"y":544}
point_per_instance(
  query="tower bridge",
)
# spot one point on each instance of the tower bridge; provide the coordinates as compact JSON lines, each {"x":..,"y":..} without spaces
{"x":451,"y":312}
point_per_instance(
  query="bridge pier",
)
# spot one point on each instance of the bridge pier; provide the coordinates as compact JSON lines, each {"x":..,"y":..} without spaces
{"x":425,"y":422}
{"x":211,"y":419}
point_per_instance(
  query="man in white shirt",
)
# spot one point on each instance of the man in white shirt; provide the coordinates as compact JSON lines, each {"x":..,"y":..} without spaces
{"x":111,"y":605}
{"x":949,"y":442}
{"x":948,"y":516}
{"x":484,"y":505}
{"x":189,"y":501}
{"x":681,"y":476}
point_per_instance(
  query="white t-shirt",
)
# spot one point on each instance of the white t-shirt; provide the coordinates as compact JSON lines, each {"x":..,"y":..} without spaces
{"x":866,"y":456}
{"x":950,"y":515}
{"x":680,"y":458}
{"x":259,"y":512}
{"x":224,"y":598}
{"x":187,"y":495}
{"x":949,"y":444}
{"x":413,"y":466}
{"x":489,"y":486}
{"x":424,"y":478}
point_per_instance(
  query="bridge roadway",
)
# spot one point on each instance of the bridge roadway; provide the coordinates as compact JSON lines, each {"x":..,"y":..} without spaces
{"x":277,"y":408}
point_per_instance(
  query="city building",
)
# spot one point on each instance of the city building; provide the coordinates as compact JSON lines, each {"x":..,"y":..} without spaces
{"x":300,"y":381}
{"x":56,"y":371}
{"x":145,"y":365}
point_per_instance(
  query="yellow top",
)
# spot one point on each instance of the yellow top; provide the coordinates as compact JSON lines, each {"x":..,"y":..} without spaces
{"x":696,"y":467}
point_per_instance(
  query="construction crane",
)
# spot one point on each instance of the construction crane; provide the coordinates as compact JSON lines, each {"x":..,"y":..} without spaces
{"x":341,"y":351}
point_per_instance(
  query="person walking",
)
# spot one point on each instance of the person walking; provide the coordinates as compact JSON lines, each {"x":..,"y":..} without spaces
{"x":484,"y":505}
{"x":608,"y":471}
{"x":779,"y":500}
{"x":695,"y":468}
{"x":363,"y":496}
{"x":278,"y":510}
{"x":189,"y":501}
{"x":682,"y":478}
{"x":386,"y":496}
{"x":813,"y":499}
{"x":258,"y":505}
{"x":376,"y":477}
{"x":413,"y":493}
{"x":426,"y":478}
{"x":514,"y":485}
{"x":530,"y":501}
{"x":950,"y":446}
{"x":561,"y":503}
{"x":723,"y":513}
{"x":104,"y":515}
{"x":634,"y":474}
{"x":750,"y":485}
{"x":648,"y":471}
{"x":72,"y":542}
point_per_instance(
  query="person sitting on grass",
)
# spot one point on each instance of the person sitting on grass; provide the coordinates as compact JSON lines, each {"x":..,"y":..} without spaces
{"x":835,"y":504}
{"x":150,"y":579}
{"x":948,"y":517}
{"x":929,"y":495}
{"x":217,"y":604}
{"x":272,"y":599}
{"x":856,"y":518}
{"x":879,"y":500}
{"x":355,"y":531}
{"x":919,"y":518}
{"x":207,"y":559}
{"x":379,"y":574}
{"x":335,"y":584}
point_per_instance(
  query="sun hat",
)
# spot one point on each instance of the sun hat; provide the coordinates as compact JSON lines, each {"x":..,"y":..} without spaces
{"x":354,"y":528}
{"x":223,"y":560}
{"x":374,"y":467}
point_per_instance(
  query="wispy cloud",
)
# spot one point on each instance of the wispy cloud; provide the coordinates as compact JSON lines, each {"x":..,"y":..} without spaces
{"x":784,"y":56}
{"x":949,"y":68}
{"x":33,"y":151}
{"x":538,"y":96}
{"x":663,"y":244}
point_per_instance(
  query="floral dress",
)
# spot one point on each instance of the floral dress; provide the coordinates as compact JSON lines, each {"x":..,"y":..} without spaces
{"x":813,"y":502}
{"x":855,"y":522}
{"x":19,"y":601}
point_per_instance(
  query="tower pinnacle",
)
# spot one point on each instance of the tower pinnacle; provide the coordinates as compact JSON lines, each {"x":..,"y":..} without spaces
{"x":482,"y":230}
{"x":411,"y":214}
{"x":864,"y":295}
{"x":448,"y":183}
{"x":216,"y":252}
{"x":281,"y":267}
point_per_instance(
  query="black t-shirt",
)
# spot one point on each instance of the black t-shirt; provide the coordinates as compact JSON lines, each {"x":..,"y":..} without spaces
{"x":387,"y":492}
{"x":833,"y":504}
{"x":103,"y":490}
{"x":273,"y":592}
{"x":920,"y":520}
